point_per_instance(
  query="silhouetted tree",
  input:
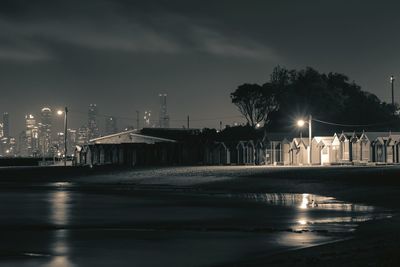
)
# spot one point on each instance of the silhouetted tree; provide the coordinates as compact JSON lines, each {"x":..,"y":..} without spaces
{"x":255,"y":102}
{"x":330,"y":97}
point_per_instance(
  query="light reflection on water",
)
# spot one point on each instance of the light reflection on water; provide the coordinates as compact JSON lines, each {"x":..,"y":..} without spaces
{"x":301,"y":213}
{"x":307,"y":201}
{"x":60,"y":212}
{"x":59,"y":203}
{"x":319,"y":213}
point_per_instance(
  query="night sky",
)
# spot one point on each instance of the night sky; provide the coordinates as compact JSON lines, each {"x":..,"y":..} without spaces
{"x":122,"y":54}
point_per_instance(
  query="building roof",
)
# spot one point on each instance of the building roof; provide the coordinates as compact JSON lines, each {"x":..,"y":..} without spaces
{"x":129,"y":137}
{"x":325,"y":140}
{"x":299,"y":141}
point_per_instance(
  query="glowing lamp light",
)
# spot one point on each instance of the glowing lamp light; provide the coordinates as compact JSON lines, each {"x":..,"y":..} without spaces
{"x":60,"y":112}
{"x":301,"y":123}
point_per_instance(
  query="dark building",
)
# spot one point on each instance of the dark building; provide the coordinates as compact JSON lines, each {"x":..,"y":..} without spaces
{"x":163,"y":114}
{"x":92,"y":122}
{"x":111,"y":125}
{"x":6,"y":124}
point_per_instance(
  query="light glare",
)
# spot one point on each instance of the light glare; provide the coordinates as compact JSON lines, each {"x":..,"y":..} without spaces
{"x":300,"y":123}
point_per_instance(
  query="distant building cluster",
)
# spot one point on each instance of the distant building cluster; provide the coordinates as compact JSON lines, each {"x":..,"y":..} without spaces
{"x":40,"y":139}
{"x":8,"y":143}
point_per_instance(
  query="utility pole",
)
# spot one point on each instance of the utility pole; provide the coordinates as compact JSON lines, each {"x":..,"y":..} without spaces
{"x":65,"y":135}
{"x":188,"y":122}
{"x":137,"y":119}
{"x":310,"y":137}
{"x":220,"y":126}
{"x":392,"y":83}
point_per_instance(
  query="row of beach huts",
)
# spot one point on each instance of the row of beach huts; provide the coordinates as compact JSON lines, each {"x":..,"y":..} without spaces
{"x":136,"y":149}
{"x":339,"y":149}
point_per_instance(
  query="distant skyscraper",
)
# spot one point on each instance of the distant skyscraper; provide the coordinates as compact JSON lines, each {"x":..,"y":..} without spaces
{"x":32,"y":135}
{"x":163,"y":114}
{"x":82,"y":137}
{"x":111,"y":125}
{"x":22,"y":147}
{"x":60,"y":143}
{"x":45,"y":126}
{"x":92,"y":122}
{"x":6,"y":124}
{"x":71,"y":140}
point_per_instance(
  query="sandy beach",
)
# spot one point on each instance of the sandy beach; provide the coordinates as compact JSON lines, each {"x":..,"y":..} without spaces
{"x":219,"y":216}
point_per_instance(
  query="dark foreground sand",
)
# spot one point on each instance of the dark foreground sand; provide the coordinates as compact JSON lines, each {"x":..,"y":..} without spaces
{"x":375,"y":243}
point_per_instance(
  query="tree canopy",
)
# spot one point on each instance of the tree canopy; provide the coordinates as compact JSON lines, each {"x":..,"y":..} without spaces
{"x":329,"y":97}
{"x":255,"y":102}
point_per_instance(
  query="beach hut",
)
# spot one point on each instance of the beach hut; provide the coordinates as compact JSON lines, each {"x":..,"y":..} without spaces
{"x":345,"y":148}
{"x":222,"y":154}
{"x":395,"y":139}
{"x":241,"y":152}
{"x":322,"y":150}
{"x":278,"y":148}
{"x":293,"y":149}
{"x":379,"y":145}
{"x":392,"y":150}
{"x":250,"y":152}
{"x":300,"y":151}
{"x":259,"y":151}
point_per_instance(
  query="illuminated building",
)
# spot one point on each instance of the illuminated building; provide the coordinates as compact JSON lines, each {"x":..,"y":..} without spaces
{"x":82,"y":136}
{"x":147,"y":118}
{"x":163,"y":115}
{"x":45,"y":126}
{"x":59,"y":143}
{"x":32,"y":136}
{"x":71,"y":140}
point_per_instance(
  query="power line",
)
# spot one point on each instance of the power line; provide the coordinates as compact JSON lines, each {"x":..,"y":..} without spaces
{"x":174,"y":120}
{"x":353,"y":125}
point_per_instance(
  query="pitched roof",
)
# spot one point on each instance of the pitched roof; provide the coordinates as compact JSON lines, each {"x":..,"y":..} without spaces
{"x":299,"y":141}
{"x":326,"y":140}
{"x":128,"y":137}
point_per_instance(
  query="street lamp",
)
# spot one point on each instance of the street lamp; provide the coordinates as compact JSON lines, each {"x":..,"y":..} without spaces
{"x":392,"y":85}
{"x":65,"y":112}
{"x":301,"y":123}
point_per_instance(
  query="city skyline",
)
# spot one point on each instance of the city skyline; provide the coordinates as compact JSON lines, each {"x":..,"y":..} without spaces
{"x":56,"y":54}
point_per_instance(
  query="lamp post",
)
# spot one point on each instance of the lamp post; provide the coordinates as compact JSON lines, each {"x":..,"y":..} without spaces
{"x":65,"y":112}
{"x":301,"y":123}
{"x":392,"y":85}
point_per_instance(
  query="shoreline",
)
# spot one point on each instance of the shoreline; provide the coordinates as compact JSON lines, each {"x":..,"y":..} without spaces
{"x":374,"y":243}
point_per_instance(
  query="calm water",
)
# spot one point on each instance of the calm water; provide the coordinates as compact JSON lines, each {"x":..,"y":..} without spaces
{"x":66,"y":225}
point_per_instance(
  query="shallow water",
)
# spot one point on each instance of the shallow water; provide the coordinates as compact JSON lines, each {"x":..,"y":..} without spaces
{"x":66,"y":225}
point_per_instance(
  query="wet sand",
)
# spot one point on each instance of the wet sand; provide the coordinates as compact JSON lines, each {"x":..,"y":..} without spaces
{"x":198,"y":216}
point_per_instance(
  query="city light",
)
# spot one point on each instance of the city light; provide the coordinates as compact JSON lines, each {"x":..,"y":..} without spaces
{"x":60,"y":112}
{"x":301,"y":123}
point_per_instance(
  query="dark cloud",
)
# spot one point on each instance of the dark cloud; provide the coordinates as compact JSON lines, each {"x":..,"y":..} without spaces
{"x":121,"y":54}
